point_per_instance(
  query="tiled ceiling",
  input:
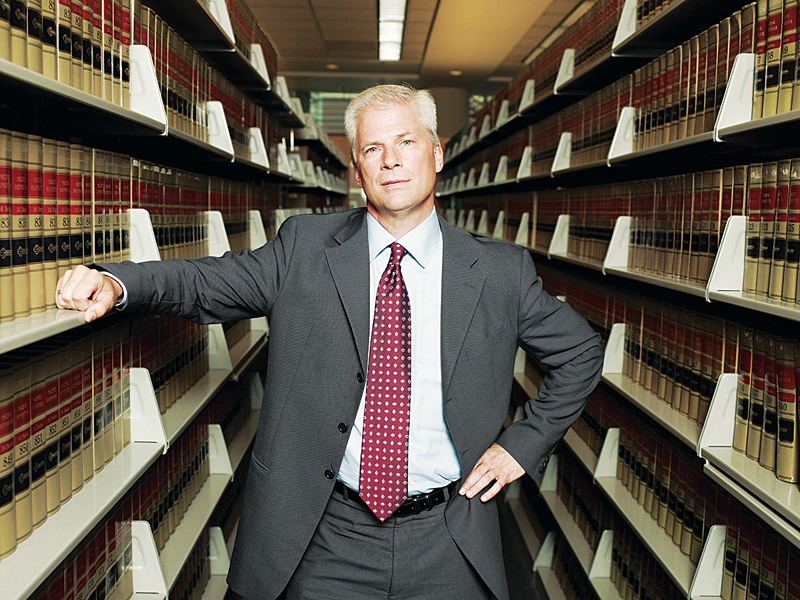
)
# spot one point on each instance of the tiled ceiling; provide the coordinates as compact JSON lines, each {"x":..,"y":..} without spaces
{"x":332,"y":45}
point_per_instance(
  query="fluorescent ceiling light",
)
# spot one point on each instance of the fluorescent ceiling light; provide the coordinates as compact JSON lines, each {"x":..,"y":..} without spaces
{"x":391,"y":21}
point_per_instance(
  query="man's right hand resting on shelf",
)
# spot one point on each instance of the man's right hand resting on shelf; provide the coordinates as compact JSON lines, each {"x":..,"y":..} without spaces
{"x":87,"y":289}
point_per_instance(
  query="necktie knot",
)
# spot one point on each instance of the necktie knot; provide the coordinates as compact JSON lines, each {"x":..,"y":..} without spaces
{"x":398,"y":252}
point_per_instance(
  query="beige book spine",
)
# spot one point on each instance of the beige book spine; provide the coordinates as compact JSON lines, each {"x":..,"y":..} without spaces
{"x":87,"y":37}
{"x":38,"y":442}
{"x":62,"y":207}
{"x":19,"y":33}
{"x":20,"y":228}
{"x":742,"y":571}
{"x":108,"y":396}
{"x":35,"y":225}
{"x":108,"y":50}
{"x":67,"y":364}
{"x":789,"y":289}
{"x":769,"y":428}
{"x":22,"y":433}
{"x":788,"y":56}
{"x":786,"y":462}
{"x":756,"y":418}
{"x":76,"y":205}
{"x":769,"y":192}
{"x":117,"y":52}
{"x":53,"y":479}
{"x":6,"y":251}
{"x":76,"y":418}
{"x":780,"y":237}
{"x":116,"y":386}
{"x":702,"y":72}
{"x":50,"y":220}
{"x":772,"y":77}
{"x":743,"y":390}
{"x":76,"y":31}
{"x":8,"y":522}
{"x":97,"y":48}
{"x":97,"y":402}
{"x":125,"y":53}
{"x":34,"y":45}
{"x":754,"y":193}
{"x":49,"y":39}
{"x":64,"y":41}
{"x":762,"y":7}
{"x":87,"y":411}
{"x":5,"y":29}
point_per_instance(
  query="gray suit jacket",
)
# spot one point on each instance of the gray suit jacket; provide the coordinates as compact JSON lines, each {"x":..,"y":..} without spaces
{"x":312,"y":282}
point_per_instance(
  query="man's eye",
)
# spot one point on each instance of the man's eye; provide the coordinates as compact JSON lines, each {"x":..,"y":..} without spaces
{"x":407,"y":142}
{"x":370,"y":150}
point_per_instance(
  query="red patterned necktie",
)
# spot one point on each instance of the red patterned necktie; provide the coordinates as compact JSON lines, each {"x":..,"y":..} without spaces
{"x":384,"y":445}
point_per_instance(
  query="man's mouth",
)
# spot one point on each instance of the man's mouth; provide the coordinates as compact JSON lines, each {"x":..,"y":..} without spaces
{"x":394,"y":182}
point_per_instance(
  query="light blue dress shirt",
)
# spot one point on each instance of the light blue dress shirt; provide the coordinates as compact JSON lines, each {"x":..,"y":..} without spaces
{"x":432,"y":458}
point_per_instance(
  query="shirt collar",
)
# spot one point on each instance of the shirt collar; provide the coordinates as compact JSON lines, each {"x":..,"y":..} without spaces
{"x":420,"y":242}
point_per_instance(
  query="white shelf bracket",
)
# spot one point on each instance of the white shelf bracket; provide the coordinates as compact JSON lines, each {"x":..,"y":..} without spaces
{"x":500,"y":226}
{"x":255,"y":391}
{"x":148,"y":576}
{"x":258,"y":151}
{"x":218,"y":559}
{"x":617,"y":253}
{"x":727,"y":274}
{"x":143,"y":239}
{"x":737,"y":103}
{"x":524,"y":169}
{"x":544,"y":560}
{"x":258,"y":62}
{"x":718,"y":426}
{"x":622,"y":143}
{"x":219,"y":11}
{"x":462,"y":219}
{"x":601,"y":564}
{"x":486,"y":127}
{"x":626,"y":26}
{"x":283,"y":161}
{"x":502,"y":170}
{"x":470,"y":225}
{"x":218,"y":134}
{"x":258,"y":237}
{"x":561,"y":160}
{"x":471,"y":177}
{"x":219,"y":355}
{"x":523,"y":233}
{"x":528,"y":94}
{"x":145,"y":92}
{"x":483,"y":225}
{"x":146,"y":424}
{"x":484,"y":177}
{"x":707,"y":581}
{"x":615,"y":345}
{"x":558,"y":244}
{"x":218,"y":243}
{"x":502,"y":115}
{"x":607,"y":461}
{"x":220,"y":462}
{"x":565,"y":70}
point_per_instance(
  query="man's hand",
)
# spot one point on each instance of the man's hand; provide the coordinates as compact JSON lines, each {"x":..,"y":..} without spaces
{"x":89,"y":290}
{"x":495,"y":465}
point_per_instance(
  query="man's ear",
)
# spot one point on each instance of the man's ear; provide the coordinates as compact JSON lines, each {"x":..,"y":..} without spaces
{"x":357,"y":176}
{"x":438,"y":157}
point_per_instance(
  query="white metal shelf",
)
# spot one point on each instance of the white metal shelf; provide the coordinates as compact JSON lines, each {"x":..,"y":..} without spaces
{"x":194,"y":521}
{"x":185,"y":410}
{"x":543,"y":567}
{"x":581,"y":450}
{"x":219,"y":563}
{"x":38,"y":326}
{"x":148,"y":577}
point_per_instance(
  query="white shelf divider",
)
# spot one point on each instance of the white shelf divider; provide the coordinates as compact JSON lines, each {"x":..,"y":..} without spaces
{"x":483,"y":224}
{"x":186,"y":534}
{"x":528,"y":95}
{"x":600,"y":573}
{"x":146,"y":423}
{"x":483,"y":180}
{"x":581,"y":450}
{"x":470,"y":225}
{"x":218,"y":556}
{"x":565,"y":70}
{"x":258,"y":62}
{"x":707,"y":582}
{"x":499,"y":226}
{"x":718,"y":427}
{"x":148,"y":576}
{"x":258,"y":236}
{"x":145,"y":91}
{"x":218,"y":134}
{"x":622,"y":142}
{"x":727,"y":274}
{"x":542,"y":566}
{"x":617,"y":253}
{"x":672,"y":420}
{"x":626,"y":26}
{"x":219,"y":11}
{"x":258,"y":151}
{"x":501,"y":175}
{"x":737,"y":103}
{"x":143,"y":240}
{"x":524,"y":169}
{"x":486,"y":127}
{"x":677,"y":565}
{"x":502,"y":114}
{"x":544,"y":558}
{"x":218,"y":243}
{"x":523,"y":231}
{"x":561,"y":161}
{"x":560,"y":239}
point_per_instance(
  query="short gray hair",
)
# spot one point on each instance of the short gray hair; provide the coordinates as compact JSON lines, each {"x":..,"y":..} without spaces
{"x":382,"y":96}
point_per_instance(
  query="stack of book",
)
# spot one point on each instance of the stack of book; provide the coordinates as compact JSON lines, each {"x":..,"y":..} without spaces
{"x":567,"y":569}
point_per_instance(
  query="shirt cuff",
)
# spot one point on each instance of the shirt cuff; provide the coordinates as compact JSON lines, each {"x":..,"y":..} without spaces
{"x":121,"y":304}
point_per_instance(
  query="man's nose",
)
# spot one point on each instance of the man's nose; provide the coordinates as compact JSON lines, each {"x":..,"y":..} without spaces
{"x":391,"y":158}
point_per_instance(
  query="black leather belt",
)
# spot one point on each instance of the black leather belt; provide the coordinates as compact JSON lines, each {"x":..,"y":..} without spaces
{"x":412,"y":506}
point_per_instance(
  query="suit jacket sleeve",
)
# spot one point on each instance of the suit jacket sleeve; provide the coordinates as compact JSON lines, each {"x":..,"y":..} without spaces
{"x":211,"y":289}
{"x":558,"y":336}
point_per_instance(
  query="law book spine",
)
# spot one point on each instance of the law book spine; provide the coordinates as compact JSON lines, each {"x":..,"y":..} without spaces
{"x":76,"y":419}
{"x":38,"y":450}
{"x":34,"y":35}
{"x":19,"y":33}
{"x":774,"y":49}
{"x":715,"y":220}
{"x":5,"y":29}
{"x":125,"y":52}
{"x":64,"y":42}
{"x":762,"y":7}
{"x":8,"y":523}
{"x":770,"y":425}
{"x":97,"y":402}
{"x":35,"y":225}
{"x":686,"y":61}
{"x":97,"y":48}
{"x":87,"y":178}
{"x":786,"y":462}
{"x":730,"y":563}
{"x":752,"y":251}
{"x":742,"y":556}
{"x":722,"y":70}
{"x":769,"y":192}
{"x":22,"y":467}
{"x":76,"y":31}
{"x":756,"y":417}
{"x":756,"y":554}
{"x":116,"y":60}
{"x":789,"y":288}
{"x":700,"y":517}
{"x":780,"y":238}
{"x":703,"y":46}
{"x":704,"y":225}
{"x":20,"y":224}
{"x":116,"y":386}
{"x":67,"y":362}
{"x":76,"y":201}
{"x":53,"y":478}
{"x":706,"y":122}
{"x":782,"y":570}
{"x":6,"y":245}
{"x":769,"y":564}
{"x":87,"y":429}
{"x":87,"y":38}
{"x":743,"y":389}
{"x":108,"y":396}
{"x":108,"y":50}
{"x":788,"y":56}
{"x":50,"y":220}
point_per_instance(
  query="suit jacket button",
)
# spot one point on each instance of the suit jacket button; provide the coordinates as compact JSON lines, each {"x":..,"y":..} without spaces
{"x":360,"y":378}
{"x":342,"y":428}
{"x":329,"y":474}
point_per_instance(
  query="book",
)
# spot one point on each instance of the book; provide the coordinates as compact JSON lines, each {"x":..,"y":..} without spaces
{"x":789,"y":287}
{"x":788,"y":56}
{"x":97,"y":48}
{"x":756,"y":418}
{"x":752,"y":240}
{"x":786,"y":462}
{"x":50,"y":220}
{"x":38,"y":447}
{"x":49,"y":39}
{"x":686,"y":62}
{"x":780,"y":238}
{"x":22,"y":433}
{"x":8,"y":523}
{"x":739,"y":591}
{"x":76,"y":31}
{"x":769,"y":193}
{"x":703,"y":47}
{"x":743,"y":386}
{"x":692,"y":89}
{"x":706,"y":123}
{"x":760,"y":73}
{"x":52,"y":475}
{"x":774,"y":49}
{"x":5,"y":31}
{"x":20,"y":229}
{"x":6,"y":253}
{"x":35,"y":225}
{"x":64,"y":41}
{"x":67,"y":365}
{"x":756,"y":555}
{"x":87,"y":38}
{"x":770,"y":424}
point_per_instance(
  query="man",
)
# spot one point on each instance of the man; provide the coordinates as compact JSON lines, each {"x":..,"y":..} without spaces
{"x":342,"y":441}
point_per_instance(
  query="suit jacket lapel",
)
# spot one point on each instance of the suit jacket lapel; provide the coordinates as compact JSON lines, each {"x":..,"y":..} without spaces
{"x":461,"y":289}
{"x":349,"y":265}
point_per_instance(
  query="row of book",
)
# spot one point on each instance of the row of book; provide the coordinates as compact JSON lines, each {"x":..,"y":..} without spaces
{"x":573,"y":581}
{"x":196,"y":572}
{"x":776,"y":85}
{"x":679,"y":94}
{"x":247,"y":30}
{"x":648,"y":9}
{"x":63,"y":204}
